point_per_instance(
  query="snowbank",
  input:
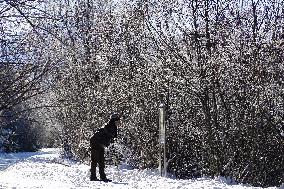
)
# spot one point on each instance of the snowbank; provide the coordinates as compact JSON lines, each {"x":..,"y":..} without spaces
{"x":45,"y":169}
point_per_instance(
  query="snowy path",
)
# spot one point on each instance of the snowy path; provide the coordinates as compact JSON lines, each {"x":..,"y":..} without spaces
{"x":46,"y":169}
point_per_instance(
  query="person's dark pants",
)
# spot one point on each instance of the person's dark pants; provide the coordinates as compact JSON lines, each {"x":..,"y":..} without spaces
{"x":97,"y":157}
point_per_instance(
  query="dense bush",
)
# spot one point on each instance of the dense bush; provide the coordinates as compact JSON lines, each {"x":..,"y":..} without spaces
{"x":18,"y":134}
{"x":216,"y":65}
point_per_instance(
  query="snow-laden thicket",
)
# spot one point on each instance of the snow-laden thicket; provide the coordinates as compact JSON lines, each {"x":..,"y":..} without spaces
{"x":217,"y":65}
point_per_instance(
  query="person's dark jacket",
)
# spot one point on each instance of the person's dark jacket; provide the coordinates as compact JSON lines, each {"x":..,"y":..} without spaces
{"x":105,"y":135}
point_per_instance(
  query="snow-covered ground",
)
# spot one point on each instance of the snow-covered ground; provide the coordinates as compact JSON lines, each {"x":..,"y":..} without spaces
{"x":45,"y":169}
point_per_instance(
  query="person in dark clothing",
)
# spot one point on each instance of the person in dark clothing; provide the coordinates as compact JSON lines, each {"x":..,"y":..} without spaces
{"x":101,"y":139}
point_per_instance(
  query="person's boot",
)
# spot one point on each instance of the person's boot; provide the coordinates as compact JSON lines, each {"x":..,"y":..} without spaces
{"x":93,"y":178}
{"x":103,"y":177}
{"x":106,"y":180}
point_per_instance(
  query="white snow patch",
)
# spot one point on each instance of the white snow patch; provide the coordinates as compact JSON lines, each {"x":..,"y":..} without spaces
{"x":46,"y":169}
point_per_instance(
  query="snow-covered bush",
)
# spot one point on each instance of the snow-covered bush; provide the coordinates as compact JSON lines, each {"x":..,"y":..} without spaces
{"x":217,"y":66}
{"x":18,"y":134}
{"x":222,"y":87}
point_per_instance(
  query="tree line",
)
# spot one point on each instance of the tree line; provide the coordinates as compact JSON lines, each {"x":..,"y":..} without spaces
{"x":217,"y":66}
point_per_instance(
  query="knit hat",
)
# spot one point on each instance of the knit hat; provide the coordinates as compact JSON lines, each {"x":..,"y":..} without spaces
{"x":115,"y":117}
